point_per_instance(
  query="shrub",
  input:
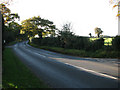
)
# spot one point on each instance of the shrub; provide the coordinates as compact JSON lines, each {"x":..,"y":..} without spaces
{"x":95,"y":45}
{"x":116,"y":43}
{"x":36,"y":41}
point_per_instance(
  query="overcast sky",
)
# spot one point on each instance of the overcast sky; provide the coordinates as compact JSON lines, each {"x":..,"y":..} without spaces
{"x":84,"y":15}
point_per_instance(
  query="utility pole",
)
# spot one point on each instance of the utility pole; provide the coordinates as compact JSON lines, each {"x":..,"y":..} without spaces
{"x":0,"y":50}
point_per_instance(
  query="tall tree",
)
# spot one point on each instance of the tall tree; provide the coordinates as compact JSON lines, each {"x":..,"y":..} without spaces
{"x":6,"y":2}
{"x":15,"y":27}
{"x":37,"y":25}
{"x":7,"y":15}
{"x":65,"y":34}
{"x":98,"y":31}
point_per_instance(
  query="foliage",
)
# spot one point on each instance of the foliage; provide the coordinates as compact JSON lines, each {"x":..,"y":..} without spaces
{"x":8,"y":35}
{"x":108,"y":41}
{"x":15,"y":27}
{"x":7,"y":15}
{"x":116,"y":43}
{"x":74,"y":42}
{"x":95,"y":45}
{"x":37,"y":25}
{"x":98,"y":31}
{"x":10,"y":27}
{"x":101,"y":53}
{"x":12,"y":32}
{"x":98,"y":44}
{"x":6,"y":2}
{"x":65,"y":35}
{"x":65,"y":39}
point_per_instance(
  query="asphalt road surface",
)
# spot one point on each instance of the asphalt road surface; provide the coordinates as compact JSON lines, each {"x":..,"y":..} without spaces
{"x":64,"y":71}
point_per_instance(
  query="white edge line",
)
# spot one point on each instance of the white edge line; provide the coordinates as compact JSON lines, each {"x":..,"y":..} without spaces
{"x":94,"y":72}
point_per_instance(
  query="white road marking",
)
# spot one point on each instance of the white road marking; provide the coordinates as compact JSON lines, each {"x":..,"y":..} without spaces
{"x":94,"y":72}
{"x":39,"y":54}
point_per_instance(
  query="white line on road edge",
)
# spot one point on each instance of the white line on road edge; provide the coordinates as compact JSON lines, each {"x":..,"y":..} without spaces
{"x":94,"y":72}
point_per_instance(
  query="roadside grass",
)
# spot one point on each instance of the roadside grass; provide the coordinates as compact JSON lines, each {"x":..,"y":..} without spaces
{"x":81,"y":53}
{"x":11,"y":43}
{"x":16,"y":74}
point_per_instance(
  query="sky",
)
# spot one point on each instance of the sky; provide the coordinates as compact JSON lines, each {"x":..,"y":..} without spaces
{"x":84,"y":15}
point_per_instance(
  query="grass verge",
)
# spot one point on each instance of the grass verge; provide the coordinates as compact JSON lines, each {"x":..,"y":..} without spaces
{"x":16,"y":74}
{"x":81,"y":53}
{"x":11,"y":43}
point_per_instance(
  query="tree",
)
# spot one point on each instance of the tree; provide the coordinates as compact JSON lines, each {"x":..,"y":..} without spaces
{"x":66,"y":35}
{"x":7,"y":2}
{"x":37,"y":25}
{"x":98,"y":31}
{"x":28,"y":28}
{"x":15,"y":28}
{"x":90,"y":34}
{"x":7,"y":15}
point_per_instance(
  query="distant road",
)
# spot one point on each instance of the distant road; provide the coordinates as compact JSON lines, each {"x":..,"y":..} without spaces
{"x":63,"y":71}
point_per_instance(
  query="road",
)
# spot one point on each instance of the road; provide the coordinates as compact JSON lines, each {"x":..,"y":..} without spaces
{"x":64,"y":71}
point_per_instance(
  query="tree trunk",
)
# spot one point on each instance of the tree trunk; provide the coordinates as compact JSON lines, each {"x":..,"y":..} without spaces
{"x":98,"y":35}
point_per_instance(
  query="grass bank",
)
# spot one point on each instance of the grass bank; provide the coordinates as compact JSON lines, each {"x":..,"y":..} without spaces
{"x":11,"y":43}
{"x":81,"y":53}
{"x":16,"y":74}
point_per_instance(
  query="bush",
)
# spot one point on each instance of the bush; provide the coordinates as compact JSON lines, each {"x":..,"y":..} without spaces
{"x":36,"y":41}
{"x":116,"y":43}
{"x":95,"y":45}
{"x":73,"y":42}
{"x":8,"y":35}
{"x":80,"y":42}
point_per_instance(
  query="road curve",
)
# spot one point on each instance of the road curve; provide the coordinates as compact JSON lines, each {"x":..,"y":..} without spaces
{"x":63,"y":71}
